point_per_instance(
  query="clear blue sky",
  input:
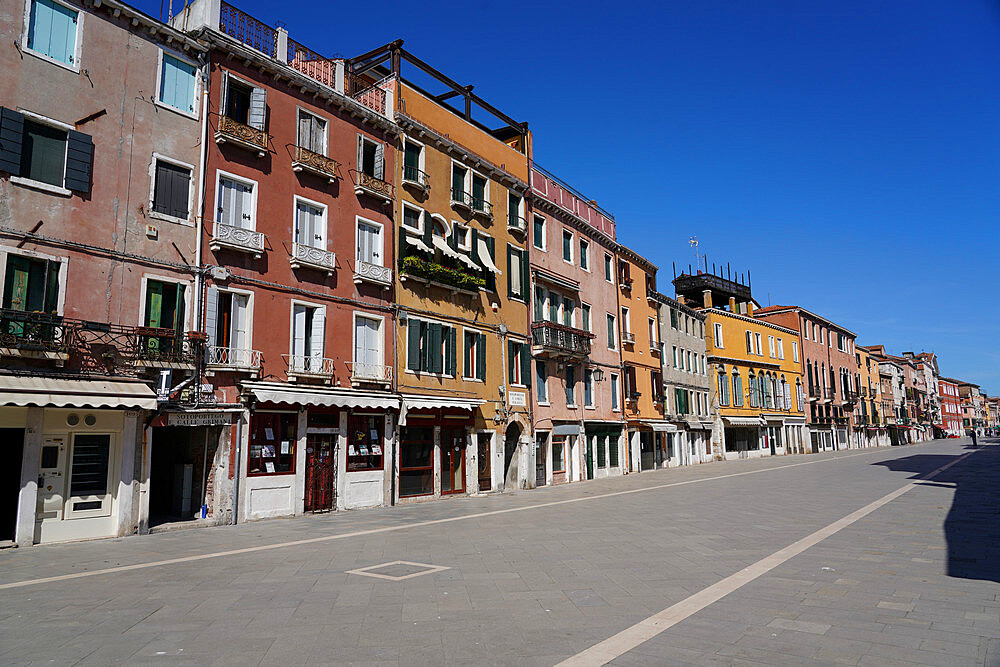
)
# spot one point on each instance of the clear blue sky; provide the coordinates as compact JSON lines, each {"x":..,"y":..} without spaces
{"x":847,"y":153}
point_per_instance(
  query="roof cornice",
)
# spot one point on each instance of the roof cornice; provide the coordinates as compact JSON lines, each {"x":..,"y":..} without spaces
{"x":163,"y":31}
{"x":800,"y":309}
{"x":542,"y":203}
{"x":747,"y":318}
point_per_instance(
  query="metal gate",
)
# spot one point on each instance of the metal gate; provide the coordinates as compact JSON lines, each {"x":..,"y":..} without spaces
{"x":320,"y":473}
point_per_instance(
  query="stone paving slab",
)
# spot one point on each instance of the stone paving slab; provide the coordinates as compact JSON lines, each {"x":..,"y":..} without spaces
{"x":540,"y":584}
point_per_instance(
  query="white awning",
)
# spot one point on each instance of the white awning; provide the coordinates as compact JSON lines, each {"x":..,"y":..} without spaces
{"x":443,"y":246}
{"x":65,"y":393}
{"x":484,"y":257}
{"x":433,"y":402}
{"x":417,"y":243}
{"x":329,"y":398}
{"x":444,"y":221}
{"x":661,"y":426}
{"x":743,"y":421}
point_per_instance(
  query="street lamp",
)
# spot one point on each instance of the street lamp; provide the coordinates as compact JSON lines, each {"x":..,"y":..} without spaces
{"x":598,"y":375}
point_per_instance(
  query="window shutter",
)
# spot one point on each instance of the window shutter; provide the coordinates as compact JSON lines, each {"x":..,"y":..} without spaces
{"x":361,"y":151}
{"x":481,"y":357}
{"x":224,"y":93}
{"x":211,"y":313}
{"x":451,"y":348}
{"x":510,"y":361}
{"x":180,"y":186}
{"x":162,"y":188}
{"x":434,"y":348}
{"x":318,"y":332}
{"x":525,"y":363}
{"x":510,"y":273}
{"x":299,"y":331}
{"x":154,"y":303}
{"x":428,"y":229}
{"x":524,"y":274}
{"x":79,"y":151}
{"x":474,"y":247}
{"x":491,"y":279}
{"x":178,"y":324}
{"x":258,"y":108}
{"x":380,"y":162}
{"x":305,"y":130}
{"x":413,"y":345}
{"x":11,"y":131}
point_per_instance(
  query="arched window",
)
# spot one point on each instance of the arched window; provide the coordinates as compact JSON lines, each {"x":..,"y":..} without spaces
{"x":723,"y":387}
{"x":737,"y":389}
{"x":753,"y":389}
{"x":809,"y":376}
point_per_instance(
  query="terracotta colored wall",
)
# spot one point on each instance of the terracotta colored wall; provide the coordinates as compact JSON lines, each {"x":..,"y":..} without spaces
{"x":640,"y":354}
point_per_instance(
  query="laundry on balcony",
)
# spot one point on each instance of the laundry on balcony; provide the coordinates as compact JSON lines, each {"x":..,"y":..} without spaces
{"x":484,"y":257}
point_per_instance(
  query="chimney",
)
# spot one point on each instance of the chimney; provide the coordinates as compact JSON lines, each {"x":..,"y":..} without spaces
{"x":706,"y":296}
{"x":732,"y":304}
{"x":750,"y":308}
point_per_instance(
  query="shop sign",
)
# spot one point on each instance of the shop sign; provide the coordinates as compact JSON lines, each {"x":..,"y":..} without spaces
{"x":199,"y":419}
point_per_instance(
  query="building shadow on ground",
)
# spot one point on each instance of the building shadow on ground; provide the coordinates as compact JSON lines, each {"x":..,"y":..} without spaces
{"x":972,"y":527}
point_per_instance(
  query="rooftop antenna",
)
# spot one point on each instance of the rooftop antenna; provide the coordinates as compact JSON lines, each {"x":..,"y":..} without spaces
{"x":693,"y":242}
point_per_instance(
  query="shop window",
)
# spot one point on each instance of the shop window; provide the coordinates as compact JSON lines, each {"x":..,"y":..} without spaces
{"x":558,"y":456}
{"x":613,"y":451}
{"x":364,"y":442}
{"x":272,"y":443}
{"x":416,"y":461}
{"x":88,"y":487}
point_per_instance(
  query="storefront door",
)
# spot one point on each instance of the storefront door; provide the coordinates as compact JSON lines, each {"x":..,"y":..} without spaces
{"x":485,"y":466}
{"x":452,"y":460}
{"x":320,"y":472}
{"x":540,"y":475}
{"x":12,"y":448}
{"x":647,"y":453}
{"x":590,"y":455}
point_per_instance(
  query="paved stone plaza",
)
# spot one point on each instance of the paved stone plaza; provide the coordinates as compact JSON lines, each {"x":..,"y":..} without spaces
{"x":541,"y":576}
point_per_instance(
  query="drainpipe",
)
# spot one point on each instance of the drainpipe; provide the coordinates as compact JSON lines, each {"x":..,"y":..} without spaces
{"x":199,"y":278}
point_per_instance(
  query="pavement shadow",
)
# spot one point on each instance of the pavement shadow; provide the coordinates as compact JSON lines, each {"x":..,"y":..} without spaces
{"x":972,"y":527}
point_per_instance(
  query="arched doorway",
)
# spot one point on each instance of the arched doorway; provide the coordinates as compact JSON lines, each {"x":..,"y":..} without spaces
{"x":511,"y":439}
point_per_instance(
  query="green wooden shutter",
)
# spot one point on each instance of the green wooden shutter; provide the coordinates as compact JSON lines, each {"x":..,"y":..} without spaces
{"x":525,"y":364}
{"x":154,"y":303}
{"x":524,"y":274}
{"x":510,"y":262}
{"x":11,"y":134}
{"x":413,"y":345}
{"x":79,"y":154}
{"x":16,"y":284}
{"x":510,"y":361}
{"x":481,"y":357}
{"x":450,"y":351}
{"x":435,"y":362}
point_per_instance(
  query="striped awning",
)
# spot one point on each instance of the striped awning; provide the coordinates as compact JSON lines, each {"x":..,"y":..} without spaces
{"x":42,"y":392}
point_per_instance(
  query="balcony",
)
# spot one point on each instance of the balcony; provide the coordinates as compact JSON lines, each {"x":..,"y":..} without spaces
{"x":238,"y":239}
{"x":233,"y":359}
{"x":815,"y":393}
{"x":241,"y":135}
{"x":516,"y":223}
{"x":416,"y":179}
{"x":657,"y":349}
{"x":372,"y":273}
{"x":850,"y":396}
{"x":482,"y":208}
{"x":314,"y":163}
{"x":461,"y":200}
{"x":559,"y":341}
{"x":165,"y":348}
{"x":369,"y":94}
{"x":307,"y":256}
{"x":366,"y":184}
{"x":438,"y":275}
{"x":32,"y":334}
{"x":628,"y":338}
{"x":308,"y":367}
{"x":366,"y":373}
{"x":246,"y":29}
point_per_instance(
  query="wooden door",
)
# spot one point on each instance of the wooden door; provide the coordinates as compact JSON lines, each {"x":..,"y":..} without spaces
{"x":485,"y":462}
{"x":320,"y":473}
{"x":452,"y":461}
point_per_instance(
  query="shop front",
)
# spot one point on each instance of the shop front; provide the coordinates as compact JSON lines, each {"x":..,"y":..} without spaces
{"x":602,"y":449}
{"x":656,"y":444}
{"x":70,"y":450}
{"x":743,"y":437}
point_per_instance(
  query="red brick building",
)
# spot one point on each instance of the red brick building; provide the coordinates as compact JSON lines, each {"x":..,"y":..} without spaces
{"x":951,"y":407}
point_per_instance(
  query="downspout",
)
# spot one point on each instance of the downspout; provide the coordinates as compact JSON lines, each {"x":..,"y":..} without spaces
{"x":199,"y":279}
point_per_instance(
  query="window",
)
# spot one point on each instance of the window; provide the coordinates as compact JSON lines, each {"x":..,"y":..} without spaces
{"x":517,"y":273}
{"x":570,"y":385}
{"x":171,"y":189}
{"x":308,"y":332}
{"x":626,"y":323}
{"x":542,"y":382}
{"x":413,"y":218}
{"x":177,"y":83}
{"x":243,"y":103}
{"x":703,"y":368}
{"x":46,"y":153}
{"x":475,"y":355}
{"x":688,"y":366}
{"x":458,"y":187}
{"x":752,"y":384}
{"x":364,"y":442}
{"x":718,"y":336}
{"x":480,"y":192}
{"x":602,"y":456}
{"x":32,"y":285}
{"x":310,"y":224}
{"x":749,"y":342}
{"x":515,"y":205}
{"x":681,"y":401}
{"x":757,"y":345}
{"x":615,"y":402}
{"x":567,"y":238}
{"x":799,"y":399}
{"x":675,"y":357}
{"x":613,"y":450}
{"x":771,"y":350}
{"x":413,"y":162}
{"x":371,"y":158}
{"x":311,"y":133}
{"x":369,"y":248}
{"x":227,"y":322}
{"x":568,"y":312}
{"x":612,"y":333}
{"x":430,"y":347}
{"x":656,"y":385}
{"x":163,"y":309}
{"x":463,"y":236}
{"x":652,"y":332}
{"x":52,"y":31}
{"x":588,"y":388}
{"x":609,"y":268}
{"x":272,"y":443}
{"x":368,"y":358}
{"x":237,"y":203}
{"x":737,"y":389}
{"x":585,"y":316}
{"x":518,"y":363}
{"x":558,"y":458}
{"x":723,"y":388}
{"x":673,"y":318}
{"x":584,"y":255}
{"x":538,"y":232}
{"x":781,"y":348}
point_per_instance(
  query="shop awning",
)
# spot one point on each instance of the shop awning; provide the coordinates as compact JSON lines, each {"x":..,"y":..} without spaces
{"x":743,"y":421}
{"x":65,"y":393}
{"x":327,"y":398}
{"x":435,"y":402}
{"x":661,"y":426}
{"x":484,"y":257}
{"x":566,"y":429}
{"x":417,"y":243}
{"x":556,"y":280}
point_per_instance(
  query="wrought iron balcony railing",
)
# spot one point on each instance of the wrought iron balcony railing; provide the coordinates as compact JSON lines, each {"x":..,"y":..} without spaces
{"x":22,"y":331}
{"x":246,"y":29}
{"x":628,"y":337}
{"x":233,"y":357}
{"x":372,"y":186}
{"x":309,"y":365}
{"x":307,"y":256}
{"x":482,"y":207}
{"x":368,"y":94}
{"x":850,"y":396}
{"x":516,"y":223}
{"x":158,"y":347}
{"x":560,"y":340}
{"x":461,"y":199}
{"x":242,"y":135}
{"x":237,"y":238}
{"x":373,"y":273}
{"x":321,"y":165}
{"x":364,"y":372}
{"x":416,"y":177}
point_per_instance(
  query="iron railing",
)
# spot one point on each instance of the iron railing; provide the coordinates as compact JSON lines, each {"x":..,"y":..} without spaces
{"x":244,"y":28}
{"x":516,"y":222}
{"x":308,"y":364}
{"x":560,"y":339}
{"x":367,"y":372}
{"x":482,"y":207}
{"x":367,"y":93}
{"x":233,"y":357}
{"x":316,"y":163}
{"x":414,"y":176}
{"x":37,"y":332}
{"x":461,"y":199}
{"x":312,"y":64}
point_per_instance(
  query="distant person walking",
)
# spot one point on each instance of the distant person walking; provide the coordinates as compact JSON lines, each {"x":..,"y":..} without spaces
{"x":974,"y":443}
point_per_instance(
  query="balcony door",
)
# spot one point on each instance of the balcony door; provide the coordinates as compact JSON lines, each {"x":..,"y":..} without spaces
{"x":308,"y":325}
{"x":310,"y":228}
{"x":235,"y":203}
{"x":31,"y":284}
{"x":229,"y":311}
{"x":367,"y":347}
{"x":369,"y":243}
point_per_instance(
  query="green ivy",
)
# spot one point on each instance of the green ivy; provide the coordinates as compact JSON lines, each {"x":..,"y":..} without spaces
{"x":416,"y":266}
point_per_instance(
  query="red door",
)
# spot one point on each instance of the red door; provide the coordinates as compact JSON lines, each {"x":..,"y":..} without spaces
{"x":320,"y":468}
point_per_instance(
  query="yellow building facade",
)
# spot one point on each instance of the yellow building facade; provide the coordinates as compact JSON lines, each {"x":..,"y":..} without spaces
{"x":869,"y":422}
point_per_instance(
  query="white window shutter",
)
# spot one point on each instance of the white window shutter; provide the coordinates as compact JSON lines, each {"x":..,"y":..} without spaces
{"x":224,"y":97}
{"x":318,"y":331}
{"x":380,"y":162}
{"x":373,"y":346}
{"x":258,"y":108}
{"x":299,"y":330}
{"x":211,"y":313}
{"x":361,"y":153}
{"x":360,"y":333}
{"x":240,"y":336}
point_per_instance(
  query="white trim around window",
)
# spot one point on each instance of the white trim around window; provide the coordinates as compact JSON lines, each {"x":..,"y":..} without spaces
{"x":545,"y":230}
{"x":255,"y":189}
{"x":143,"y":289}
{"x":291,"y":322}
{"x":197,"y":83}
{"x":354,"y":334}
{"x":460,"y":354}
{"x":324,"y":212}
{"x":462,"y":230}
{"x":420,"y":217}
{"x":77,"y":47}
{"x":158,"y":157}
{"x":381,"y":238}
{"x":7,"y":250}
{"x":326,"y":127}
